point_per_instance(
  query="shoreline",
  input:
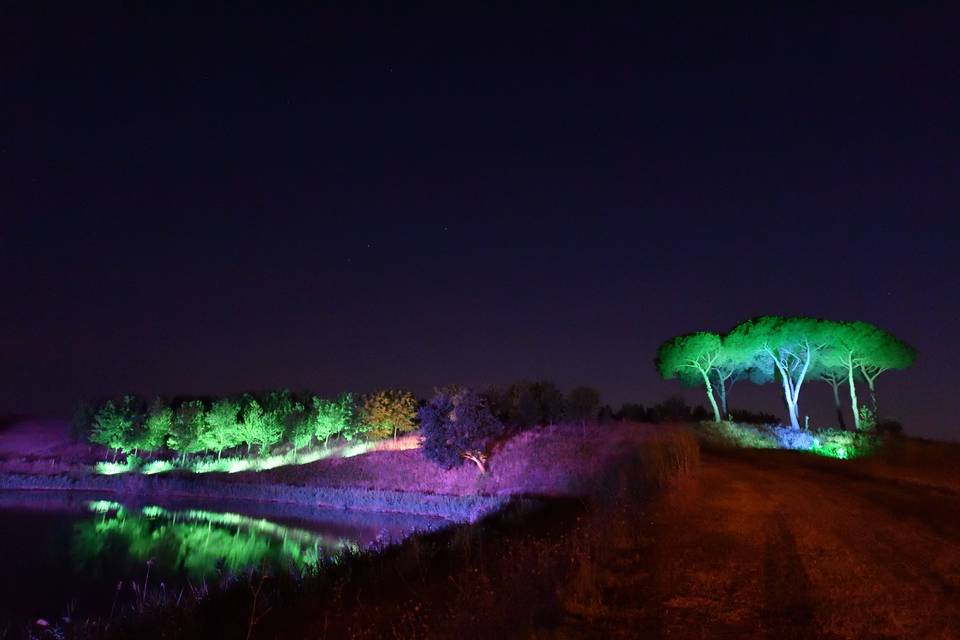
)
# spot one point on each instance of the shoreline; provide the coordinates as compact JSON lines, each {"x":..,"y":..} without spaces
{"x":453,"y":508}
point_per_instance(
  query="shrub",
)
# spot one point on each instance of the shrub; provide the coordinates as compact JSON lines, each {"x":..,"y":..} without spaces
{"x":835,"y":443}
{"x":456,"y":425}
{"x":891,"y":427}
{"x":157,"y":466}
{"x":132,"y":463}
{"x":737,"y":435}
{"x":868,"y":421}
{"x":798,"y":439}
{"x":752,"y":417}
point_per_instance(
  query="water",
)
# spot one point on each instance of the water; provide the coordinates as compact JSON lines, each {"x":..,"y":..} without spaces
{"x":63,"y":552}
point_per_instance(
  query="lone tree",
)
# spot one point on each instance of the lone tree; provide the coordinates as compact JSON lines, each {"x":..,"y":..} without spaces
{"x":456,"y":425}
{"x":693,"y":359}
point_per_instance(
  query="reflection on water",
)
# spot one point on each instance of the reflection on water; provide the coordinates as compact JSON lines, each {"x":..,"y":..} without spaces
{"x":197,"y":541}
{"x":69,"y":551}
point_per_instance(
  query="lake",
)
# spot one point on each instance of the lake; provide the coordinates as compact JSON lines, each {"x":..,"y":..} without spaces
{"x":75,"y":553}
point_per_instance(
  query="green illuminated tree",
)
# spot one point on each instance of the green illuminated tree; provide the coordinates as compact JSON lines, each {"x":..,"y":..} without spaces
{"x":790,"y":344}
{"x":301,"y":432}
{"x":278,"y":408}
{"x":387,"y":413}
{"x":734,"y":364}
{"x":220,"y":427}
{"x":260,"y":427}
{"x":332,"y":418}
{"x":251,"y":423}
{"x":185,"y":427}
{"x":299,"y":426}
{"x":859,"y":349}
{"x":158,"y":419}
{"x":113,"y":425}
{"x":693,"y":359}
{"x":888,"y":353}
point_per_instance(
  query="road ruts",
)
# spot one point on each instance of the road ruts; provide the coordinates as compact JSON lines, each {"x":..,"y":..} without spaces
{"x":781,"y":545}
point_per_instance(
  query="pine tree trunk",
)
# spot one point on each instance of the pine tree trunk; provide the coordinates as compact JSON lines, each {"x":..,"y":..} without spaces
{"x":723,"y":401}
{"x":873,"y":399}
{"x":853,"y":398}
{"x":836,"y":400}
{"x":713,"y":401}
{"x":791,"y":403}
{"x":792,"y":410}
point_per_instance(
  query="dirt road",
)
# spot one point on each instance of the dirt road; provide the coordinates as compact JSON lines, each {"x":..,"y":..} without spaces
{"x":781,"y":545}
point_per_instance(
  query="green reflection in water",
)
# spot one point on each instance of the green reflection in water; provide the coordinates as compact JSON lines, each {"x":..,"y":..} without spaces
{"x":196,"y":541}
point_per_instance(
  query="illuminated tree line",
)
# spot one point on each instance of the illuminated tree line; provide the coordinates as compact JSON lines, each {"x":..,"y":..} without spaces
{"x":787,"y":351}
{"x":262,"y":421}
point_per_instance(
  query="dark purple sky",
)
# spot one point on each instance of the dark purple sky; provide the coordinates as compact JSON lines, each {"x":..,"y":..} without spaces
{"x":212,"y":203}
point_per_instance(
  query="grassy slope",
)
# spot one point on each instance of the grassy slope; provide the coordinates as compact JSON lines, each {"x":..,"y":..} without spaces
{"x":559,"y":460}
{"x":553,"y":460}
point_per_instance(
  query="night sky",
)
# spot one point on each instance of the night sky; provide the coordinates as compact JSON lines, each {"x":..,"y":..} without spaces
{"x":342,"y":201}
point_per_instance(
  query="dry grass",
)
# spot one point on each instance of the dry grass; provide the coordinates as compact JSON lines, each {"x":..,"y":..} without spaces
{"x":557,"y":460}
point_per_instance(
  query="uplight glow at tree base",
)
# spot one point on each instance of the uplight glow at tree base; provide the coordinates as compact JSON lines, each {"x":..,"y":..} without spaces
{"x":831,"y":443}
{"x":235,"y":464}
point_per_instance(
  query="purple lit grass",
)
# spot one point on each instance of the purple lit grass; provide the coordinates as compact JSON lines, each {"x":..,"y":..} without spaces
{"x":552,"y":460}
